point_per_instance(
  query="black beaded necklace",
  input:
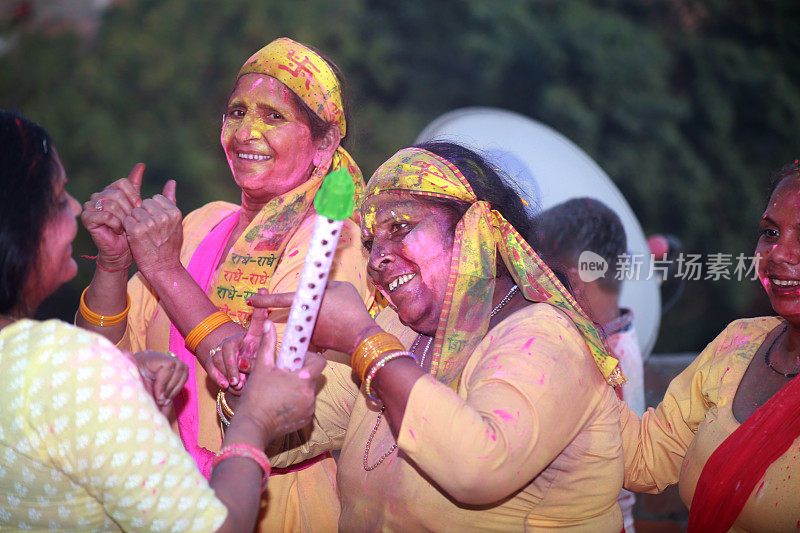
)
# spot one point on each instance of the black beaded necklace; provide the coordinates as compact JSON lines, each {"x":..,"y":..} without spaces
{"x":766,"y":355}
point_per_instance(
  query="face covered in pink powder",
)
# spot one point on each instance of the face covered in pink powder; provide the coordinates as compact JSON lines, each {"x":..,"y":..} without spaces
{"x":410,"y":243}
{"x":779,"y":250}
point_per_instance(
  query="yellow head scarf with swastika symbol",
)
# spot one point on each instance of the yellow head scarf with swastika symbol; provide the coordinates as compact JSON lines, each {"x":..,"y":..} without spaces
{"x":255,"y":255}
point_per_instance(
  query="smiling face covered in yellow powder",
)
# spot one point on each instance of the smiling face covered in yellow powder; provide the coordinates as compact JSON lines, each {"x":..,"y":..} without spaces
{"x":266,"y":138}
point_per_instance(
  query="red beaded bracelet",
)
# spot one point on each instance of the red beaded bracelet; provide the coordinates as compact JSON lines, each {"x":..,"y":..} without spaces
{"x":101,"y":267}
{"x":250,"y":452}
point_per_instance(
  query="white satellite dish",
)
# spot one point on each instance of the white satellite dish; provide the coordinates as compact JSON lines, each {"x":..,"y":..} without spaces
{"x":551,"y":169}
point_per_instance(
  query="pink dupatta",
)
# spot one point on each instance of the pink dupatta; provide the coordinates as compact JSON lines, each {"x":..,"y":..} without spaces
{"x":201,"y":268}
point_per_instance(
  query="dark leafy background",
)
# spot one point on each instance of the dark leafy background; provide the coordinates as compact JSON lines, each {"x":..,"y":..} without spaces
{"x":689,"y":106}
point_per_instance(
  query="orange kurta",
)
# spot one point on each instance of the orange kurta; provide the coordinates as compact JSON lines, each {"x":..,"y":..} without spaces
{"x":532,"y":428}
{"x":305,"y":500}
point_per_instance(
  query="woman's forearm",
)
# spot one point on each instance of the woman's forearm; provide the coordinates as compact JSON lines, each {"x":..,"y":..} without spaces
{"x":393,"y":384}
{"x":187,"y":305}
{"x":237,"y":480}
{"x":106,"y":296}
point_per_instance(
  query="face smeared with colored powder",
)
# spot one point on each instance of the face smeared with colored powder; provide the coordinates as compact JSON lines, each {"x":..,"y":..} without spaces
{"x":410,"y":244}
{"x":779,"y":250}
{"x":266,"y":138}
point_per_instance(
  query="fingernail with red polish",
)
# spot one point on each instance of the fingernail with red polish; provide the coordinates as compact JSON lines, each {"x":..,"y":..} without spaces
{"x":244,"y":365}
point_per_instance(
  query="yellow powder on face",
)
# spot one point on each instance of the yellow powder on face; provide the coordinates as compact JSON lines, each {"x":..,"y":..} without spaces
{"x":369,"y":219}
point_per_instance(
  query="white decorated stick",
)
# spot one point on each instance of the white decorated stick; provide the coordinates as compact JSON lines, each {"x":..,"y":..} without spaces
{"x":334,"y":203}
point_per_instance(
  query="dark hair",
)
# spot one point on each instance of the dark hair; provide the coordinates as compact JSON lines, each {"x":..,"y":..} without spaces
{"x":489,"y":184}
{"x":566,"y":230}
{"x":317,"y":125}
{"x":792,"y":170}
{"x":486,"y":182}
{"x":27,"y":171}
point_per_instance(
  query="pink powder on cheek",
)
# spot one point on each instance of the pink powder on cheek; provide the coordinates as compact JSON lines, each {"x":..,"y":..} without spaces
{"x":420,"y":245}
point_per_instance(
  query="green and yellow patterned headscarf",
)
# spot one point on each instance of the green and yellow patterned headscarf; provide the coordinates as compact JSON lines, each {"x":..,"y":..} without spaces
{"x":480,"y":234}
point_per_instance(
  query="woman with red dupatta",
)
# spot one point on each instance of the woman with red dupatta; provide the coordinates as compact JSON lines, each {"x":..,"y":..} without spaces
{"x":727,"y":430}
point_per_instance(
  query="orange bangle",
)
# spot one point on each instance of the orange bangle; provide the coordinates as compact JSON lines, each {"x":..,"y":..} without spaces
{"x":100,"y":320}
{"x":371,"y":349}
{"x":206,"y":326}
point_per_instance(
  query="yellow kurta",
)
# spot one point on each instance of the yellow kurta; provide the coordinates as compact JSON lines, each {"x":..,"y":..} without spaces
{"x":305,"y":500}
{"x":532,"y":434}
{"x":82,"y":445}
{"x":672,"y":442}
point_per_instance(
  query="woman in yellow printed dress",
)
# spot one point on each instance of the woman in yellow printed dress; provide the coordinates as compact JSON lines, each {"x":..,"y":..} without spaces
{"x":82,"y":445}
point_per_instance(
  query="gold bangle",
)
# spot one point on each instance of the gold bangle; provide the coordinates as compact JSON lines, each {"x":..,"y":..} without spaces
{"x":206,"y":326}
{"x":223,"y":404}
{"x":100,"y":320}
{"x":372,"y":348}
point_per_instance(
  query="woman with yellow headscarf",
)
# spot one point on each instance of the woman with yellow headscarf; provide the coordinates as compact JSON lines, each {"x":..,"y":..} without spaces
{"x":485,"y":398}
{"x":282,"y":133}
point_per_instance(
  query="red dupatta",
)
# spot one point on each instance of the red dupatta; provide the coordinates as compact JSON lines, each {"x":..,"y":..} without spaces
{"x":732,"y":471}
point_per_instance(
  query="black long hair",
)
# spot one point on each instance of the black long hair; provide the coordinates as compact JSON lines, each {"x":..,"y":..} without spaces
{"x":790,"y":170}
{"x":27,"y":171}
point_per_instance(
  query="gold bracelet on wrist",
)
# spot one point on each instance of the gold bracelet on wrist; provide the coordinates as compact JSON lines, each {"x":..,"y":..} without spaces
{"x":223,"y":404}
{"x":373,"y":369}
{"x":371,"y":349}
{"x":206,"y":326}
{"x":101,"y":320}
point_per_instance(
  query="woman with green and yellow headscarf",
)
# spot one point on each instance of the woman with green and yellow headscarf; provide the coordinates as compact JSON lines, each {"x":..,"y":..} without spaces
{"x":486,"y":397}
{"x":282,"y":133}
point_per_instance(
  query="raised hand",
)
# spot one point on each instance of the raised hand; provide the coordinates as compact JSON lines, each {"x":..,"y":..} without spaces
{"x":155,"y":234}
{"x":103,"y":217}
{"x":342,"y":315}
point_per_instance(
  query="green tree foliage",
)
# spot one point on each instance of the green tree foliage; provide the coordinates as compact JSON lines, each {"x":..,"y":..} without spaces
{"x":689,"y":106}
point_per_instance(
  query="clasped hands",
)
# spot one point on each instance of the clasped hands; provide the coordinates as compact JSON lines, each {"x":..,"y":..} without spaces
{"x":126,"y":228}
